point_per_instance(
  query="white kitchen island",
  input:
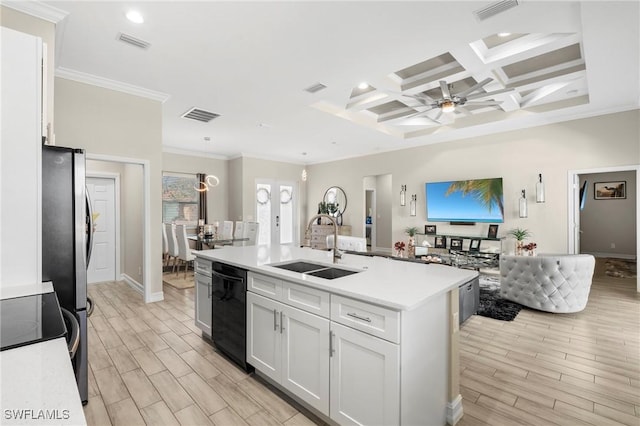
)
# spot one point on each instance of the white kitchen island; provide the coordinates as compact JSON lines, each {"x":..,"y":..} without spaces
{"x":375,"y":347}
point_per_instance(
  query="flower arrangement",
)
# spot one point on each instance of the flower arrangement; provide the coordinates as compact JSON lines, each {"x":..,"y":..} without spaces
{"x":399,"y":246}
{"x":530,"y":248}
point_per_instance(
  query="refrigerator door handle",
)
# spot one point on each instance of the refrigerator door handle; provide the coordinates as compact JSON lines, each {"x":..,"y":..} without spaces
{"x":90,"y":228}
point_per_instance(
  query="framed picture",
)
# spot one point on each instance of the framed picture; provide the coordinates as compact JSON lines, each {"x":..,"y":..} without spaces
{"x":610,"y":190}
{"x":441,"y":242}
{"x":474,"y":245}
{"x":430,"y":229}
{"x":456,"y":244}
{"x":493,"y":231}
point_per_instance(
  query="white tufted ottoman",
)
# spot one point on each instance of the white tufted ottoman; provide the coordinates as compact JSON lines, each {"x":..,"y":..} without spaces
{"x":547,"y":282}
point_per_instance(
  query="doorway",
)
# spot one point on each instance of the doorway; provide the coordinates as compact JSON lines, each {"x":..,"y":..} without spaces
{"x":379,"y":187}
{"x":578,"y":199}
{"x":104,"y":193}
{"x":276,"y":203}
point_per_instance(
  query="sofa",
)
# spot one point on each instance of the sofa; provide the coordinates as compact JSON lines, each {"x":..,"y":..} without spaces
{"x":558,"y":283}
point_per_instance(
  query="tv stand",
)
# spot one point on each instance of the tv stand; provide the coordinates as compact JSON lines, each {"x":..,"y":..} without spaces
{"x":487,"y":254}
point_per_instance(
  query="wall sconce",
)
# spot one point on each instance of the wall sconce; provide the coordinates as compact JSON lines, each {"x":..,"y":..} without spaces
{"x":539,"y":190}
{"x":412,"y":205}
{"x":403,"y":195}
{"x":523,"y":204}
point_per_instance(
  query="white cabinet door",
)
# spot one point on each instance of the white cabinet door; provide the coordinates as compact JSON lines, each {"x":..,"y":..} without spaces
{"x":263,"y":335}
{"x":365,"y":379}
{"x":203,"y":303}
{"x":305,"y":357}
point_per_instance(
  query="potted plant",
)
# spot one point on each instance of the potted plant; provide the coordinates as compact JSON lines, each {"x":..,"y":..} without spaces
{"x":411,"y":247}
{"x":519,"y":234}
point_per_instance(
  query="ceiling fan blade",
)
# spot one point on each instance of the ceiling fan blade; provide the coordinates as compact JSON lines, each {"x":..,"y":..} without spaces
{"x":473,"y":88}
{"x":484,"y":103}
{"x":438,"y":115}
{"x":484,"y":95}
{"x":445,"y":89}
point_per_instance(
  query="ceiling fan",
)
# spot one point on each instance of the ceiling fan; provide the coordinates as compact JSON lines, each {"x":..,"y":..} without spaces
{"x":454,"y":102}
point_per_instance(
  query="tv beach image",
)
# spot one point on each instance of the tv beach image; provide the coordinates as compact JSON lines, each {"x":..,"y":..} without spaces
{"x":478,"y":200}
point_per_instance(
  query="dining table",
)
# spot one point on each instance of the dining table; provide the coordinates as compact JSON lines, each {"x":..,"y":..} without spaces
{"x":212,"y":241}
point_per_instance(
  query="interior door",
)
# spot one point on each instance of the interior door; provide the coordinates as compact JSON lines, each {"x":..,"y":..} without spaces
{"x":102,"y":266}
{"x":275,"y":211}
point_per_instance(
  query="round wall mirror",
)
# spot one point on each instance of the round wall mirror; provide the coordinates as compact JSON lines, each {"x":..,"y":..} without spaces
{"x":336,"y":200}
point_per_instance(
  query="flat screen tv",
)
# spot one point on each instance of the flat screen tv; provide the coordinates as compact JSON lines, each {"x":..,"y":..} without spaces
{"x":465,"y":201}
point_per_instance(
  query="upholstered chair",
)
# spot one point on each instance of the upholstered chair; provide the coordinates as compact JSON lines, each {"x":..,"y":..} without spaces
{"x":558,"y":283}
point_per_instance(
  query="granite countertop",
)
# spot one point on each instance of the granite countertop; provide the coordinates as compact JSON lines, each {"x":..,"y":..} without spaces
{"x":37,"y":383}
{"x":386,"y":282}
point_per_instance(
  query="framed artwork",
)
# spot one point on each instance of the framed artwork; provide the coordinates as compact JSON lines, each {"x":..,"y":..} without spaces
{"x":610,"y":190}
{"x":493,"y":231}
{"x":430,"y":229}
{"x":474,"y":245}
{"x":441,"y":242}
{"x":456,"y":244}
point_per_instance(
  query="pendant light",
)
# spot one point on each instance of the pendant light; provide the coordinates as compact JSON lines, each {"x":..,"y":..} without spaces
{"x":539,"y":190}
{"x":523,"y":204}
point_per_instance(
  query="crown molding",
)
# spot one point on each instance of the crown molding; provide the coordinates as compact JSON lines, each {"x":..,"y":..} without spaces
{"x":38,"y":9}
{"x":106,"y":83}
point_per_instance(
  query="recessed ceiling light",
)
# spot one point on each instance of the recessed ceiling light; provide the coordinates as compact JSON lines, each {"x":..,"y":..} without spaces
{"x":135,"y":17}
{"x":504,"y":34}
{"x":363,"y":85}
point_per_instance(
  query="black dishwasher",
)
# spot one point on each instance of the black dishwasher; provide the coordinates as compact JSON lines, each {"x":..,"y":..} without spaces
{"x":228,"y":311}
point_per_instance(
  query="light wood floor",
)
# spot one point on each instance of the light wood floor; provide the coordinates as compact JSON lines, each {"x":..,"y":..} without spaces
{"x":148,"y":364}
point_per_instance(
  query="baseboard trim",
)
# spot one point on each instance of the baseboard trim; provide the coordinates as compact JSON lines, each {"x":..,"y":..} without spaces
{"x":454,"y":410}
{"x":612,"y":255}
{"x":132,"y":283}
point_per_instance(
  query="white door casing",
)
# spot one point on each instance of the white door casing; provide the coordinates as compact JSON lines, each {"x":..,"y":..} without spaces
{"x":102,"y":193}
{"x":276,"y":211}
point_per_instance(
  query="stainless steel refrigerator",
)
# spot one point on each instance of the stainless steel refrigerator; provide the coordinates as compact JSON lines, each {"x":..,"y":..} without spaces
{"x":66,"y":241}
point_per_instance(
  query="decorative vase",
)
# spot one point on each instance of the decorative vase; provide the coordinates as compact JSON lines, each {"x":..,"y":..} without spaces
{"x":519,"y":247}
{"x":411,"y":248}
{"x":398,"y":253}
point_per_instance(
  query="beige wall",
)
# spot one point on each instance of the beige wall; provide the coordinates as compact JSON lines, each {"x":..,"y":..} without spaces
{"x":22,"y":22}
{"x":112,"y":123}
{"x":607,"y":222}
{"x":132,"y":222}
{"x":517,"y":157}
{"x":217,"y":204}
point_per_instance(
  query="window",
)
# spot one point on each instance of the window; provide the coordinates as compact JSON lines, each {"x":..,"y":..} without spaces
{"x":179,"y":198}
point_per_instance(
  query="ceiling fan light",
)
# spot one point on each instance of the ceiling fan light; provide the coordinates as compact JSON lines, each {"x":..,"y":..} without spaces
{"x":447,"y":106}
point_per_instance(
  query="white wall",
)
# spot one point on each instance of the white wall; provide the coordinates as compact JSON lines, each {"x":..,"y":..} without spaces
{"x":115,"y":124}
{"x":132,"y":222}
{"x":607,"y":222}
{"x":516,"y":156}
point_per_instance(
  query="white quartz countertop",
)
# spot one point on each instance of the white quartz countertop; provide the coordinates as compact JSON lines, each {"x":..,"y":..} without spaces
{"x":37,"y":383}
{"x":391,"y":283}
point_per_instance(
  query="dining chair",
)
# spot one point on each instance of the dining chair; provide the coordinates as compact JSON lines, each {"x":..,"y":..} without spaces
{"x":227,"y":230}
{"x":238,"y":233}
{"x":165,"y":246}
{"x":172,"y":244}
{"x":184,"y":251}
{"x":251,"y":232}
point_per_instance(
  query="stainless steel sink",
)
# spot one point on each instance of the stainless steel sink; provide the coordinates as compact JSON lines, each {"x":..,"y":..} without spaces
{"x":315,"y":269}
{"x":332,"y":273}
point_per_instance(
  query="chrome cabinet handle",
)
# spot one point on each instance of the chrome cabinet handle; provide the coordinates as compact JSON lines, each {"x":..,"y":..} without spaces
{"x":331,"y":350}
{"x":275,"y":320}
{"x":208,"y":290}
{"x":281,"y":322}
{"x":353,"y":315}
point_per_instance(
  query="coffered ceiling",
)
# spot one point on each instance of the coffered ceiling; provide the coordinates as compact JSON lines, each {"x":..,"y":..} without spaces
{"x":281,"y":79}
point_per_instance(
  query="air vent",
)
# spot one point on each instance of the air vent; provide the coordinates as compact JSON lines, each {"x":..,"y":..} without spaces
{"x":494,"y":9}
{"x":315,"y":88}
{"x":200,"y":115}
{"x":133,"y":41}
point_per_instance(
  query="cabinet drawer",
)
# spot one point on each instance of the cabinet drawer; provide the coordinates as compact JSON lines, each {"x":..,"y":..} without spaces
{"x":306,"y":298}
{"x":264,"y":285}
{"x":203,"y":266}
{"x":372,"y":319}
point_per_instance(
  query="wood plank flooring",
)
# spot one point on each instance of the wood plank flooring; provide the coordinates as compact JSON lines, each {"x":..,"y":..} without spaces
{"x":149,"y":365}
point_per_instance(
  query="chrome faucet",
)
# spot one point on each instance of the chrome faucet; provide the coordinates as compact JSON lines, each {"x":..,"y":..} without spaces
{"x":336,"y":254}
